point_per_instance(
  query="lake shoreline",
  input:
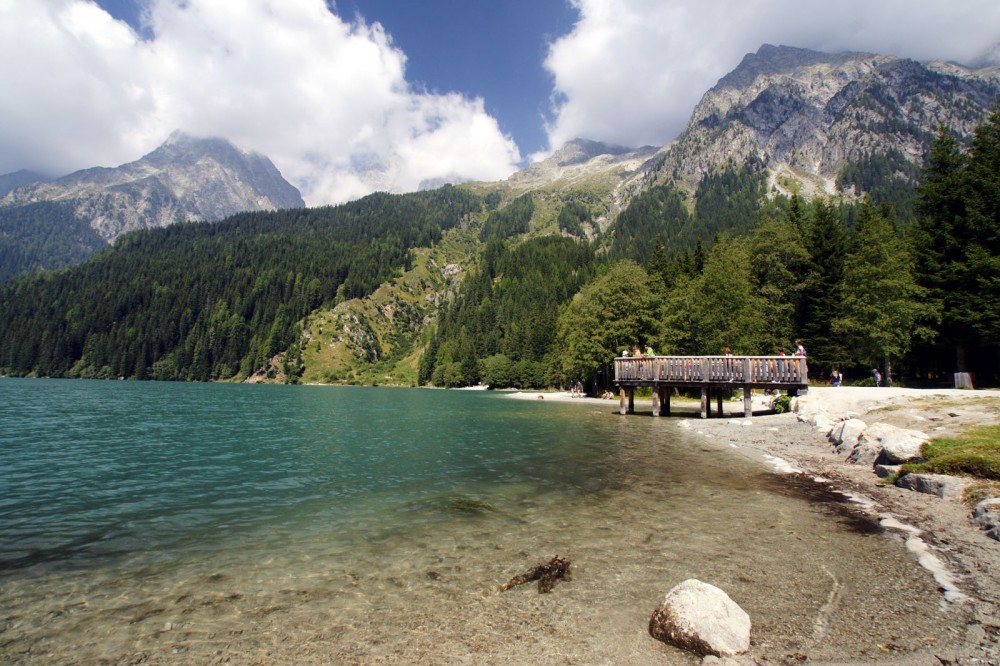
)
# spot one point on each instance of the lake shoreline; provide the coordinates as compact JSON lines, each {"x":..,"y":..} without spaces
{"x":938,"y":532}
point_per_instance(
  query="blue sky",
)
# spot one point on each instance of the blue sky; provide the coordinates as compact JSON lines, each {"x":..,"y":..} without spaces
{"x":353,"y":96}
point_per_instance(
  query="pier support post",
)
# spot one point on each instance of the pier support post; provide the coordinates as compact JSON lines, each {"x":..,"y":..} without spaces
{"x":656,"y":400}
{"x":706,"y":403}
{"x":718,"y":402}
{"x":747,"y":401}
{"x":665,"y":400}
{"x":631,"y":400}
{"x":621,"y":401}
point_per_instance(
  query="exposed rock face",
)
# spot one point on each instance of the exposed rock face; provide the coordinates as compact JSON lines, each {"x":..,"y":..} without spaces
{"x":701,"y":618}
{"x":185,"y":179}
{"x":582,"y":163}
{"x":807,"y":114}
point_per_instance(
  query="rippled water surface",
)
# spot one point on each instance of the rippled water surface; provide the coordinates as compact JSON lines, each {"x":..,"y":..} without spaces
{"x":187,"y":523}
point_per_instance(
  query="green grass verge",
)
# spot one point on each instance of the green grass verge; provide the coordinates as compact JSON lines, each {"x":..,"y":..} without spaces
{"x":975,"y":453}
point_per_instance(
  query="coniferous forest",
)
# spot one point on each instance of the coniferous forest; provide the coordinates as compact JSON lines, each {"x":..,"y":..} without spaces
{"x":905,"y":278}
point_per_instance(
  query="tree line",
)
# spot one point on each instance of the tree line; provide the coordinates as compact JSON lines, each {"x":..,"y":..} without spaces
{"x":909,"y":284}
{"x":201,"y":301}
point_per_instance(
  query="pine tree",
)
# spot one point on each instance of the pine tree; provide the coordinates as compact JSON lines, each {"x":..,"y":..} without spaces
{"x":938,"y":240}
{"x":882,"y":301}
{"x":822,"y":297}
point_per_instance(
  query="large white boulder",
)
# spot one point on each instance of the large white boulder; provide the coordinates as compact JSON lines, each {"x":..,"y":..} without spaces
{"x":886,"y":442}
{"x":900,"y":445}
{"x":845,"y":435}
{"x":701,"y":618}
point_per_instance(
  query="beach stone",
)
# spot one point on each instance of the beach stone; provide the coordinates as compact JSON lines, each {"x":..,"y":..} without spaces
{"x":883,"y":471}
{"x":901,"y":445}
{"x":845,"y":435}
{"x":944,"y":486}
{"x":701,"y":618}
{"x":986,"y":516}
{"x":872,"y":444}
{"x":865,"y":452}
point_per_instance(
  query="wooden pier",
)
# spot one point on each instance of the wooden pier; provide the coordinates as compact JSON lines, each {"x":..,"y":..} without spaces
{"x":720,"y":375}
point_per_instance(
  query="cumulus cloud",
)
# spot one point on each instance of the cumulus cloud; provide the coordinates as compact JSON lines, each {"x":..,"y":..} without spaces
{"x":631,"y":71}
{"x":325,"y":98}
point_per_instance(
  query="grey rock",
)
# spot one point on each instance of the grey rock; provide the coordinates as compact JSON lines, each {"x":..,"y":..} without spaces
{"x":942,"y":485}
{"x":701,"y":618}
{"x":900,"y":445}
{"x":986,"y":516}
{"x":883,"y":471}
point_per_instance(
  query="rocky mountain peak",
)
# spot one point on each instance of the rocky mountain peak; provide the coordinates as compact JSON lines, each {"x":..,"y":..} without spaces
{"x":806,"y":114}
{"x":187,"y":178}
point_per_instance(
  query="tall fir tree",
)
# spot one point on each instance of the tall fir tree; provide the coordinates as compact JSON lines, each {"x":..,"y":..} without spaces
{"x":882,"y":303}
{"x":938,"y":240}
{"x":822,"y":298}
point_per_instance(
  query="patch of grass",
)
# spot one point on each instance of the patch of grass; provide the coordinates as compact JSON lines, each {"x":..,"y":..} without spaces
{"x":975,"y":453}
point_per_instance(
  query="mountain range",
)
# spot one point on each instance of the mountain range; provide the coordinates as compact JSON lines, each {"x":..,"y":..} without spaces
{"x":805,"y":115}
{"x":786,"y":120}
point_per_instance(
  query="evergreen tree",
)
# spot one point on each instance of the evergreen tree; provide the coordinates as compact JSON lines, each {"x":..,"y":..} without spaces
{"x":882,"y":301}
{"x":822,"y":297}
{"x":983,"y":253}
{"x":939,"y":239}
{"x":779,"y":263}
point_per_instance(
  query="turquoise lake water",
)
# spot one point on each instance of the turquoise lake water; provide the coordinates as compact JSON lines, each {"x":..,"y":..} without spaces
{"x":201,"y":523}
{"x":95,"y":471}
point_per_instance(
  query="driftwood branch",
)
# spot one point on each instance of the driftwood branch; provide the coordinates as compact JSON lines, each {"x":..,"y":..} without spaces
{"x":546,"y":575}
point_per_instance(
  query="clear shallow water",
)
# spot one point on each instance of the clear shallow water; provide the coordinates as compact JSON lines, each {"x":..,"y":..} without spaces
{"x":184,"y":523}
{"x":94,"y":471}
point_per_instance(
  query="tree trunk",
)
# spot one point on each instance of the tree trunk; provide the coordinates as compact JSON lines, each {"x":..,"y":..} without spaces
{"x":888,"y":370}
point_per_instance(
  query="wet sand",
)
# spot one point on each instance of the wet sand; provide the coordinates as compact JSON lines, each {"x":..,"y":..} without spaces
{"x":821,"y":580}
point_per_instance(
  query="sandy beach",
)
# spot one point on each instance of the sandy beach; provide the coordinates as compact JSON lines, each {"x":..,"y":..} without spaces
{"x":938,"y":533}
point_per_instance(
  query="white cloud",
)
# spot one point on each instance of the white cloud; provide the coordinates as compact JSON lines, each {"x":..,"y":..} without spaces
{"x":325,"y":99}
{"x":631,"y":71}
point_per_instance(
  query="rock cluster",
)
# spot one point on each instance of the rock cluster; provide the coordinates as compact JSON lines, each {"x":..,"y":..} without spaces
{"x":885,"y":447}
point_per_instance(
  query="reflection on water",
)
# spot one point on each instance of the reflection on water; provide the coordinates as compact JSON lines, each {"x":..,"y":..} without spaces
{"x":335,"y":564}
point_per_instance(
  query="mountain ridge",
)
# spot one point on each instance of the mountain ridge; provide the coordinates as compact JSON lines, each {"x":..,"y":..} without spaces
{"x":185,"y":179}
{"x":807,"y":114}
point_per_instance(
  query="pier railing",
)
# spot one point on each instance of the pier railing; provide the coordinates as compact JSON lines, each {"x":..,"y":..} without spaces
{"x":711,"y":370}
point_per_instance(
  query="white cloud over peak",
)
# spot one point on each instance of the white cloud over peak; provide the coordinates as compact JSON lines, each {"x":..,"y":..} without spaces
{"x":631,"y":71}
{"x":325,"y":99}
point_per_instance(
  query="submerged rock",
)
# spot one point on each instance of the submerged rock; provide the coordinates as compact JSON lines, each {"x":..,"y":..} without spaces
{"x":701,"y":618}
